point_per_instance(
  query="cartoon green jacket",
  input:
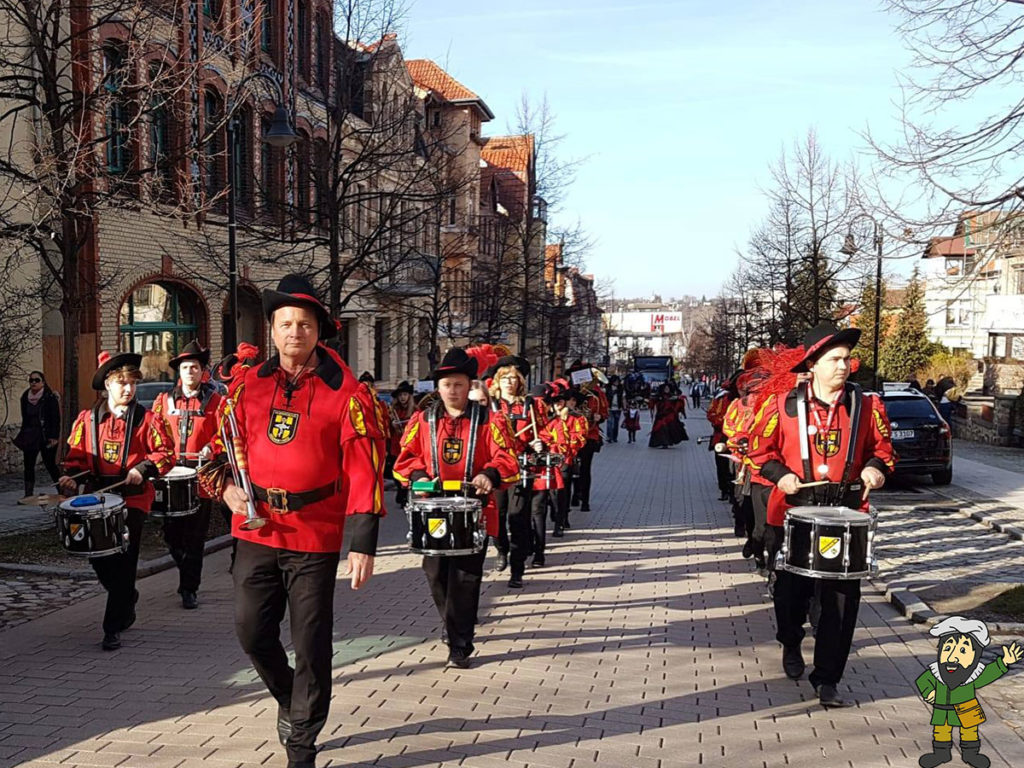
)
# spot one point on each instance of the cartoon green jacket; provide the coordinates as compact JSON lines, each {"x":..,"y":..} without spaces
{"x":943,"y":712}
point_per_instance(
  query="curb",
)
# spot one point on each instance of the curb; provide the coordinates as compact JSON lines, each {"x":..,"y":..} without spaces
{"x":912,"y":607}
{"x":146,"y":568}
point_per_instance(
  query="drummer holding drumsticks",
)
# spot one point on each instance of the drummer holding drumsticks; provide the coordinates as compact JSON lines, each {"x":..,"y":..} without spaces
{"x":191,"y":410}
{"x":457,"y":439}
{"x":118,"y":441}
{"x":825,"y":443}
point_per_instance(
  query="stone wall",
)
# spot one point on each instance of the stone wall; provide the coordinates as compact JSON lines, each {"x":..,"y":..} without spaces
{"x":1003,"y":378}
{"x":985,"y":419}
{"x":10,"y":457}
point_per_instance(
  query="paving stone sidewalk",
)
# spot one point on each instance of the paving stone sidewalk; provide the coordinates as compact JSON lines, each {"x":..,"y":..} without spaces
{"x":646,"y":641}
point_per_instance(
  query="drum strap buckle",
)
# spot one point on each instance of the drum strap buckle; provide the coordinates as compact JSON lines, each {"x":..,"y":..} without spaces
{"x":277,"y":499}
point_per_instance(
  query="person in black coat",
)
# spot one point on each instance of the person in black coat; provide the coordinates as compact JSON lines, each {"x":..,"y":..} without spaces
{"x":40,"y":429}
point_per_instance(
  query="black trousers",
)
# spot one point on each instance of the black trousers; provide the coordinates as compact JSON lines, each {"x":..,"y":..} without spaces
{"x":49,"y":459}
{"x":185,"y":538}
{"x":117,"y":575}
{"x":724,"y":473}
{"x":539,"y":519}
{"x":561,"y":513}
{"x":267,"y":582}
{"x":455,"y":586}
{"x":839,"y":600}
{"x":696,"y":401}
{"x":513,"y":539}
{"x":759,"y":498}
{"x":581,"y":487}
{"x":745,"y":514}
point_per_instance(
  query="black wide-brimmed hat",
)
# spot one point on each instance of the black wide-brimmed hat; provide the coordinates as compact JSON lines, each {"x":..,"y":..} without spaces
{"x":298,"y":291}
{"x":192,"y":351}
{"x":246,"y":354}
{"x":403,"y":386}
{"x":820,"y":339}
{"x":540,"y":391}
{"x":576,"y":365}
{"x":367,"y":377}
{"x":455,"y":361}
{"x":107,"y":362}
{"x":521,"y":364}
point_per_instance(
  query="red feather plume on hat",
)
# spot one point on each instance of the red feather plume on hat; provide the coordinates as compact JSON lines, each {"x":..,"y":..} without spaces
{"x":102,"y":358}
{"x":775,"y":365}
{"x":485,"y":356}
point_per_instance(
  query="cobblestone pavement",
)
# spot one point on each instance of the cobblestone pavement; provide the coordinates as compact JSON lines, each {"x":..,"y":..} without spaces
{"x":646,"y":642}
{"x":24,"y":597}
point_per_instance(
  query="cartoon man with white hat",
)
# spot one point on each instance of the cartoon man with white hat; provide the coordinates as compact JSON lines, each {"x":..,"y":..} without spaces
{"x":950,"y":686}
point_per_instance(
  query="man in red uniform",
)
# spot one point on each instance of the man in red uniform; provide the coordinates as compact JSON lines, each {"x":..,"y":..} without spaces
{"x":191,"y":410}
{"x":315,"y":456}
{"x":457,"y":439}
{"x":717,"y":409}
{"x":119,"y":440}
{"x":401,"y":411}
{"x":563,"y":433}
{"x":827,"y":430}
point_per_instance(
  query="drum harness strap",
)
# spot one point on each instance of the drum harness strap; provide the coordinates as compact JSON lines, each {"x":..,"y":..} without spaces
{"x":475,"y":413}
{"x":185,"y":424}
{"x":856,"y":398}
{"x":94,"y":428}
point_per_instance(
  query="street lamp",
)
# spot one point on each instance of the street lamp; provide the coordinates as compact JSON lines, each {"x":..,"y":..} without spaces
{"x":280,"y":134}
{"x":849,"y":248}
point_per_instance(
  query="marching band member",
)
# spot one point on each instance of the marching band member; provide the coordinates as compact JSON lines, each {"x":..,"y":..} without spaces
{"x":569,"y":407}
{"x":508,"y":397}
{"x":716,"y":415}
{"x":457,"y":439}
{"x":824,"y":430}
{"x":597,"y":412}
{"x":401,"y":411}
{"x":192,"y":411}
{"x":565,"y":434}
{"x":314,"y":449}
{"x":119,"y":440}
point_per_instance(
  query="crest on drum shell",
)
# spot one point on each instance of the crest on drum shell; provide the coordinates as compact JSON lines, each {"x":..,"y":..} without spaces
{"x":111,"y":450}
{"x":77,"y":531}
{"x":829,"y":547}
{"x":451,"y":450}
{"x":283,"y":426}
{"x":437,"y":527}
{"x":828,"y":444}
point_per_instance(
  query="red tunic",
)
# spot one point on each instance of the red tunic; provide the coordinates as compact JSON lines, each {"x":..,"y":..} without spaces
{"x":716,"y":415}
{"x":493,"y":455}
{"x":565,"y":437}
{"x":775,"y":444}
{"x":99,"y":447}
{"x":197,"y":417}
{"x":598,"y":405}
{"x":399,"y":421}
{"x":328,"y":431}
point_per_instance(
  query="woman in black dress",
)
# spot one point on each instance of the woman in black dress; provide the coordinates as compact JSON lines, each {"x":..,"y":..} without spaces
{"x":40,"y":429}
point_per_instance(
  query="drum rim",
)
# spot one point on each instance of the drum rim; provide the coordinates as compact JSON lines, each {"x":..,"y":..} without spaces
{"x":94,"y":512}
{"x":179,"y":472}
{"x":848,"y":575}
{"x":813,"y":514}
{"x":161,"y":513}
{"x":464,"y":503}
{"x":446,"y":552}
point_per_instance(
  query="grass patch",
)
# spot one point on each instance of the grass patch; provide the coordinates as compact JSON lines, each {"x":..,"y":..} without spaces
{"x":41,"y":547}
{"x":1010,"y":604}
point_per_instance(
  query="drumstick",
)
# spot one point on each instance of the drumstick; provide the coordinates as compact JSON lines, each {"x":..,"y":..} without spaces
{"x":524,"y":429}
{"x":74,"y":477}
{"x":812,"y":485}
{"x":533,"y":422}
{"x":112,"y":487}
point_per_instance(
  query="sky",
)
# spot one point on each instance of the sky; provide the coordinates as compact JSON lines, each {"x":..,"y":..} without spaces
{"x":678,"y":108}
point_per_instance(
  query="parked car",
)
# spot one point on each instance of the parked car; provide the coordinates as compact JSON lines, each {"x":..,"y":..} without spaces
{"x":148,"y":391}
{"x":921,"y":438}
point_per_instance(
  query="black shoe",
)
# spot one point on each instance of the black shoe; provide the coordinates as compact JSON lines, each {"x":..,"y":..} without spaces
{"x":942,"y":752}
{"x":111,"y":641}
{"x":566,"y":526}
{"x":739,"y":530}
{"x":516,"y":582}
{"x":284,"y":725}
{"x":559,"y":532}
{"x":537,"y":562}
{"x":748,"y":549}
{"x":723,"y":496}
{"x":970,"y":753}
{"x":459,"y":657}
{"x":574,"y":503}
{"x":189,"y":600}
{"x":585,"y":508}
{"x":829,"y":698}
{"x":129,"y":621}
{"x":793,"y":662}
{"x":502,"y":562}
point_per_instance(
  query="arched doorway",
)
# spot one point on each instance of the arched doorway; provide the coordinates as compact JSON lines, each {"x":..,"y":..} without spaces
{"x":156,"y":320}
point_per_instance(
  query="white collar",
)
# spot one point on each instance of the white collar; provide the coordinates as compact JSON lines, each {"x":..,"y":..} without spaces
{"x":934,"y":667}
{"x":193,"y":393}
{"x":117,"y":411}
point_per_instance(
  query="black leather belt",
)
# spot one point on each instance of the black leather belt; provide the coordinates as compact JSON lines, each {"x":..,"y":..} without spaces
{"x":280,"y":500}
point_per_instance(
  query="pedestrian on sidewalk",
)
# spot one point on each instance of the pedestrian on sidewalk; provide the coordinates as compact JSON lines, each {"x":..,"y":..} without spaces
{"x":314,"y":445}
{"x":191,"y":410}
{"x":119,"y":441}
{"x":823,"y":430}
{"x":40,"y":429}
{"x":615,"y":393}
{"x":436,"y":446}
{"x":632,"y":421}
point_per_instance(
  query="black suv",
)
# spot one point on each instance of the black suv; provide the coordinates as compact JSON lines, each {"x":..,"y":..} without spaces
{"x":921,"y":438}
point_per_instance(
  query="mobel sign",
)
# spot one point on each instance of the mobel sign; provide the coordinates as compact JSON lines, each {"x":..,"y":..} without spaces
{"x":666,"y":322}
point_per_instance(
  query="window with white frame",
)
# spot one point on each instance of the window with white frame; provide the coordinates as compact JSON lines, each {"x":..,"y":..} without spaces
{"x":958,"y":313}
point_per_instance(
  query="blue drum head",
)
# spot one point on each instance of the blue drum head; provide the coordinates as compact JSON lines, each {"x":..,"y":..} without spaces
{"x":85,"y":501}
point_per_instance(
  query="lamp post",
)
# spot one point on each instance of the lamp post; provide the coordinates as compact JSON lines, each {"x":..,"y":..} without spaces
{"x":849,"y":248}
{"x":280,"y":134}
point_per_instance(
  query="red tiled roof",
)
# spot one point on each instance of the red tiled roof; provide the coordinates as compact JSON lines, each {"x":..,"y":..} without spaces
{"x":948,"y":246}
{"x":512,"y":152}
{"x":428,"y":75}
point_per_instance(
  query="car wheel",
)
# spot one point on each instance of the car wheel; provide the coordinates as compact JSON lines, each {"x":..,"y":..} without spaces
{"x":945,"y":477}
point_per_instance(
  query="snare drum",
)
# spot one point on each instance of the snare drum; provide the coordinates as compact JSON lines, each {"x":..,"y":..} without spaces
{"x":543,"y":466}
{"x":177,"y":493}
{"x":443,"y":526}
{"x":93,"y":526}
{"x":829,"y":543}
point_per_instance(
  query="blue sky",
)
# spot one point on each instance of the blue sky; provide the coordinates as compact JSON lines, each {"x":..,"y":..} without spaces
{"x":678,"y":106}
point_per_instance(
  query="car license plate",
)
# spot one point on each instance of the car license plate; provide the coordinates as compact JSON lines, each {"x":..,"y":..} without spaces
{"x":903,"y":434}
